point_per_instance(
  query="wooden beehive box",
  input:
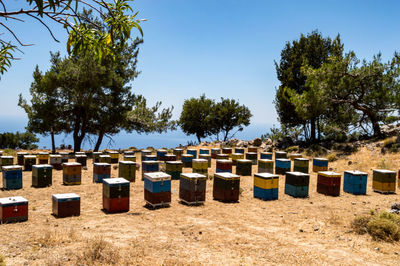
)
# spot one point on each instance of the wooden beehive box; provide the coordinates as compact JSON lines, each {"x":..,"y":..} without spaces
{"x":72,"y":173}
{"x":13,"y":209}
{"x":192,"y":188}
{"x":29,"y":161}
{"x":157,"y":189}
{"x":297,"y":184}
{"x":226,"y":187}
{"x":66,"y":205}
{"x":223,"y":165}
{"x":101,"y":171}
{"x":266,"y":186}
{"x":174,"y":169}
{"x":355,"y":182}
{"x":282,"y":166}
{"x":253,"y":156}
{"x":12,"y":177}
{"x":42,"y":175}
{"x":244,"y":167}
{"x":328,"y":183}
{"x":116,"y":192}
{"x":384,"y":181}
{"x":320,"y":164}
{"x":127,"y":170}
{"x":301,"y":165}
{"x":266,"y":166}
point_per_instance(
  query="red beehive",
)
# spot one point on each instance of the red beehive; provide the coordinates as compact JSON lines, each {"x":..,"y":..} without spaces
{"x":13,"y":209}
{"x":66,"y":205}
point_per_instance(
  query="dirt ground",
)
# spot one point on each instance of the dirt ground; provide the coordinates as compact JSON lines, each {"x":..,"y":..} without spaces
{"x":289,"y":230}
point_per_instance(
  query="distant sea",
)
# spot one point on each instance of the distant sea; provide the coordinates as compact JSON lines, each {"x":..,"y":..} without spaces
{"x":124,"y":140}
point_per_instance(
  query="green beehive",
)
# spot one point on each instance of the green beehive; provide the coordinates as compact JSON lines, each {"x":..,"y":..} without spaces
{"x":301,"y":165}
{"x":29,"y":161}
{"x":42,"y":175}
{"x":105,"y":159}
{"x":7,"y":160}
{"x":127,"y":170}
{"x":243,"y":167}
{"x":174,"y":169}
{"x":265,"y":166}
{"x":206,"y":157}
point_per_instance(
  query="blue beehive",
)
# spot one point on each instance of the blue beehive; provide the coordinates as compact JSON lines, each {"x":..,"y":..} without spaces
{"x":282,"y":166}
{"x":204,"y":151}
{"x":192,"y":152}
{"x":266,"y":186}
{"x":157,"y":189}
{"x":266,"y":155}
{"x":156,"y":186}
{"x":149,"y":167}
{"x":12,"y":177}
{"x":240,"y":150}
{"x":355,"y":182}
{"x":320,"y":164}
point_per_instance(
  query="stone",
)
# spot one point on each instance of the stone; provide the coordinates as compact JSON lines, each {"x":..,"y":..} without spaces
{"x":257,"y":142}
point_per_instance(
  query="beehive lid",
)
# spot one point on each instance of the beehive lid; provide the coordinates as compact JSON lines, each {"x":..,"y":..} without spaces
{"x":193,"y":176}
{"x":297,"y":173}
{"x":115,"y":181}
{"x":105,"y":156}
{"x":55,"y":156}
{"x":22,"y":153}
{"x":295,"y":154}
{"x":191,"y":149}
{"x":81,"y":155}
{"x":203,"y":149}
{"x":6,"y":157}
{"x":170,"y":155}
{"x":43,"y":153}
{"x":72,"y":164}
{"x":148,"y":151}
{"x":126,"y":162}
{"x":355,"y":172}
{"x":157,"y":176}
{"x":113,"y":152}
{"x":63,"y":153}
{"x":224,"y":161}
{"x":280,"y":152}
{"x":384,"y":171}
{"x":321,"y":159}
{"x":162,"y":150}
{"x":244,"y":161}
{"x":251,"y":152}
{"x":80,"y":152}
{"x":227,"y":149}
{"x":266,"y":152}
{"x":173,"y":162}
{"x":187,"y":155}
{"x":103,"y":164}
{"x":129,"y":156}
{"x":204,"y":155}
{"x":266,"y":175}
{"x":11,"y":167}
{"x":266,"y":161}
{"x":97,"y":153}
{"x":226,"y":175}
{"x":215,"y":149}
{"x":200,"y":161}
{"x":237,"y":154}
{"x":301,"y":159}
{"x":283,"y":160}
{"x":12,"y":200}
{"x":129,"y":152}
{"x":178,"y":149}
{"x":150,"y":162}
{"x":328,"y":173}
{"x":42,"y":166}
{"x":66,"y":197}
{"x":29,"y":156}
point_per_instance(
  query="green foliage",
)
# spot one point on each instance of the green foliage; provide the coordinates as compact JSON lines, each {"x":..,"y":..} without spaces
{"x":18,"y":140}
{"x":292,"y":149}
{"x":278,"y":134}
{"x":2,"y":260}
{"x":360,"y":224}
{"x":332,"y":157}
{"x":316,"y":150}
{"x":6,"y":56}
{"x":384,"y":227}
{"x":196,"y":117}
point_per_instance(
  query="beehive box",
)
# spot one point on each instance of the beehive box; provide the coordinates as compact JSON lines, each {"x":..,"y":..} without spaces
{"x":282,"y":166}
{"x":266,"y":186}
{"x":301,"y":165}
{"x":79,"y":153}
{"x":114,"y":156}
{"x":253,"y":156}
{"x":43,"y":157}
{"x":187,"y":160}
{"x":13,"y":209}
{"x":280,"y":155}
{"x":66,"y":205}
{"x":29,"y":161}
{"x":320,"y":164}
{"x":127,"y":170}
{"x":240,"y":150}
{"x":206,"y":157}
{"x":174,"y":169}
{"x":214,"y":152}
{"x":178,"y":152}
{"x":266,"y":155}
{"x":244,"y":167}
{"x":145,"y":153}
{"x":96,"y":156}
{"x":129,"y":153}
{"x":204,"y":151}
{"x":170,"y":157}
{"x":89,"y":154}
{"x":149,"y":167}
{"x":192,"y":152}
{"x":72,"y":173}
{"x":42,"y":175}
{"x":200,"y":166}
{"x":236,"y":156}
{"x":192,"y":188}
{"x":227,"y":151}
{"x":12,"y":177}
{"x":161,"y":154}
{"x":64,"y":157}
{"x":116,"y":195}
{"x":297,"y":184}
{"x":7,"y":160}
{"x":252,"y":149}
{"x":56,"y":161}
{"x":105,"y":158}
{"x":328,"y":183}
{"x":157,"y":189}
{"x":384,"y":181}
{"x":20,"y":158}
{"x":293,"y":156}
{"x":82,"y":159}
{"x":222,"y":156}
{"x":101,"y":171}
{"x":150,"y":157}
{"x":265,"y":166}
{"x":355,"y":182}
{"x":71,"y":155}
{"x":131,"y":158}
{"x":223,"y":165}
{"x":226,"y":187}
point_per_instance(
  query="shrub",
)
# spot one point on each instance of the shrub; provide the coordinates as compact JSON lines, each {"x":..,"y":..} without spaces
{"x":316,"y":150}
{"x":384,"y":227}
{"x":2,"y":260}
{"x":292,"y":149}
{"x":99,"y":252}
{"x":332,"y":157}
{"x":388,"y":142}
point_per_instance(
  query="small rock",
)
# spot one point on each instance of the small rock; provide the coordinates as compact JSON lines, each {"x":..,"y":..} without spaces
{"x":301,"y":230}
{"x":353,"y":203}
{"x":349,"y":163}
{"x":396,"y":253}
{"x":376,"y":249}
{"x":316,"y":228}
{"x":257,"y":142}
{"x":311,"y":202}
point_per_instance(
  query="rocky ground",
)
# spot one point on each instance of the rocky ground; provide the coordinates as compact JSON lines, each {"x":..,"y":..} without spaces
{"x":308,"y":231}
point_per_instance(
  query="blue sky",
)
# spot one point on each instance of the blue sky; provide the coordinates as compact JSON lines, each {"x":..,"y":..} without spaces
{"x":223,"y":48}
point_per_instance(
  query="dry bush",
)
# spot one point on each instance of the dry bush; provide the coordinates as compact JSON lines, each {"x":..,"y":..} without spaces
{"x":55,"y":238}
{"x":332,"y":157}
{"x":384,"y":227}
{"x":99,"y":252}
{"x":389,"y":141}
{"x":2,"y":260}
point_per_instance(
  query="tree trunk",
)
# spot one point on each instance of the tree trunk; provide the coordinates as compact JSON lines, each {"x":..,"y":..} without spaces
{"x":312,"y":137}
{"x":372,"y":117}
{"x":226,"y":135}
{"x":99,"y":140}
{"x":198,"y":138}
{"x":53,"y":143}
{"x":319,"y":129}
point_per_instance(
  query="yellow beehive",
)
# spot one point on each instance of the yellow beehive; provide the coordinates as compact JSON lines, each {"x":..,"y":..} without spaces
{"x":266,"y":183}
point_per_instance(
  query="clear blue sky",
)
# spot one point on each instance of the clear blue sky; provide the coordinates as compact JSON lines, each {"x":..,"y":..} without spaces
{"x":223,"y":48}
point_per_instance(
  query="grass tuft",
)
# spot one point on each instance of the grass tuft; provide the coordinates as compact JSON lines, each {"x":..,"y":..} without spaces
{"x":332,"y":157}
{"x":99,"y":252}
{"x":2,"y":260}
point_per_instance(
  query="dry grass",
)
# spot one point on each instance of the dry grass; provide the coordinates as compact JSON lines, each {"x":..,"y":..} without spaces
{"x":2,"y":260}
{"x":252,"y":232}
